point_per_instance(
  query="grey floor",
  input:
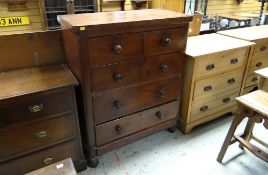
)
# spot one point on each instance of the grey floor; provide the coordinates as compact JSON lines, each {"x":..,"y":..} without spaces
{"x":174,"y":153}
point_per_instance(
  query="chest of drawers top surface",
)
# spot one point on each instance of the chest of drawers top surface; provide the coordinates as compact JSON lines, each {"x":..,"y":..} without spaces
{"x":213,"y":43}
{"x":248,"y":33}
{"x":139,"y":17}
{"x":30,"y":80}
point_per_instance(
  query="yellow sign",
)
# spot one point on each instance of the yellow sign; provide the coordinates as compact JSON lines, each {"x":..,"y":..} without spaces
{"x":14,"y":21}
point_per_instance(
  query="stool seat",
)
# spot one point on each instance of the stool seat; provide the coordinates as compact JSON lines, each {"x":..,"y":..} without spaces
{"x":256,"y":101}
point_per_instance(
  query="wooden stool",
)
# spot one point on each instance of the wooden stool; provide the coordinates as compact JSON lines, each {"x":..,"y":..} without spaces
{"x":253,"y":106}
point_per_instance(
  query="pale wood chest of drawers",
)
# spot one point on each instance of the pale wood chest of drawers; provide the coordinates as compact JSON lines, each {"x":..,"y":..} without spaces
{"x":259,"y":53}
{"x":213,"y":77}
{"x":38,"y":121}
{"x":129,"y":65}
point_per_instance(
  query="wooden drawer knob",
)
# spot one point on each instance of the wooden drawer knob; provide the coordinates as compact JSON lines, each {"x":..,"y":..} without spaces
{"x":163,"y":68}
{"x":210,"y":67}
{"x":226,"y":100}
{"x":159,"y":115}
{"x":117,"y":48}
{"x":263,"y":48}
{"x":207,"y":88}
{"x":36,"y":108}
{"x":48,"y":160}
{"x":118,"y":130}
{"x":231,"y":81}
{"x":234,"y":60}
{"x":259,"y":64}
{"x":117,"y":77}
{"x":118,"y":105}
{"x":166,"y":41}
{"x":161,"y":93}
{"x":41,"y":134}
{"x":204,"y":108}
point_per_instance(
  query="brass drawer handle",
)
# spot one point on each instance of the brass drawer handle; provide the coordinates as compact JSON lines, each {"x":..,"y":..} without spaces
{"x":254,"y":79}
{"x":231,"y":81}
{"x":163,"y":68}
{"x":210,"y":67}
{"x":118,"y":130}
{"x":161,"y":93}
{"x":226,"y":100}
{"x":117,"y":48}
{"x":41,"y":134}
{"x":207,"y":88}
{"x":118,"y":105}
{"x":48,"y":160}
{"x":36,"y":108}
{"x":263,"y":48}
{"x":166,"y":41}
{"x":159,"y":115}
{"x":204,"y":108}
{"x":259,"y":64}
{"x":117,"y":77}
{"x":234,"y":60}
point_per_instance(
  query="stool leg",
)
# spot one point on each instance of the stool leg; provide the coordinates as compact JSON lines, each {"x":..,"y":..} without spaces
{"x":236,"y":121}
{"x":248,"y":131}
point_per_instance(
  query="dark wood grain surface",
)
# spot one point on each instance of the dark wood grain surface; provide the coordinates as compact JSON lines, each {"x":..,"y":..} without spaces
{"x":29,"y":80}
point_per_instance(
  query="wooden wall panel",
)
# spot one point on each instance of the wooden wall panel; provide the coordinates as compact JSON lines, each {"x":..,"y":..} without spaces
{"x":32,"y":49}
{"x":222,"y":7}
{"x":174,"y":5}
{"x":32,"y":11}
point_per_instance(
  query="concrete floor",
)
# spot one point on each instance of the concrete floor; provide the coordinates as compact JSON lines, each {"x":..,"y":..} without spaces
{"x":173,"y":153}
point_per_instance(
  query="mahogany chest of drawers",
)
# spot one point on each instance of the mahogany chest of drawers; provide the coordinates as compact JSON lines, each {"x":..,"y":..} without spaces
{"x":213,"y":77}
{"x":259,"y":53}
{"x":129,"y":65}
{"x":38,"y":121}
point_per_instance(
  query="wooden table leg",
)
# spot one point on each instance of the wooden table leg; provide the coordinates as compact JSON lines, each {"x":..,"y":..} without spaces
{"x":236,"y":121}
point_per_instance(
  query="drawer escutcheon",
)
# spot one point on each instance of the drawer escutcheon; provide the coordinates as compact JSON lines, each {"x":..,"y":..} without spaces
{"x":42,"y":134}
{"x":36,"y":108}
{"x":48,"y":160}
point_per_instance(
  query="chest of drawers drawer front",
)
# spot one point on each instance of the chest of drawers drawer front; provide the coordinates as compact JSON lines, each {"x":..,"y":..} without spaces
{"x":136,"y":122}
{"x":40,"y":159}
{"x":35,"y":136}
{"x":210,"y":86}
{"x":120,"y":102}
{"x":110,"y":49}
{"x":251,"y":80}
{"x":127,"y":73}
{"x":261,"y":47}
{"x":204,"y":108}
{"x":164,"y":41}
{"x":34,"y":107}
{"x":258,"y":62}
{"x":220,"y":62}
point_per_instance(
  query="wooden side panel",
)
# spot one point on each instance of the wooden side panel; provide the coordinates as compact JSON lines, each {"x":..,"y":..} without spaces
{"x":32,"y":12}
{"x":220,"y":7}
{"x":32,"y":49}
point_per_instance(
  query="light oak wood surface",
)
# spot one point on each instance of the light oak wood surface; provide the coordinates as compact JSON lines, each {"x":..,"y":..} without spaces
{"x":206,"y":44}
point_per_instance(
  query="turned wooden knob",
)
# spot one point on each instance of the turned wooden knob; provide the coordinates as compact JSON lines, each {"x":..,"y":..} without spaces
{"x":161,"y":93}
{"x":117,"y":77}
{"x":118,"y":130}
{"x":118,"y":105}
{"x":163,"y":68}
{"x":117,"y":48}
{"x":159,"y":114}
{"x":166,"y":41}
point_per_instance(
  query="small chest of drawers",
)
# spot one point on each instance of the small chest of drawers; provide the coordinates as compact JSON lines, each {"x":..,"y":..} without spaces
{"x":130,"y":70}
{"x":38,"y":122}
{"x":213,"y":77}
{"x":259,"y":53}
